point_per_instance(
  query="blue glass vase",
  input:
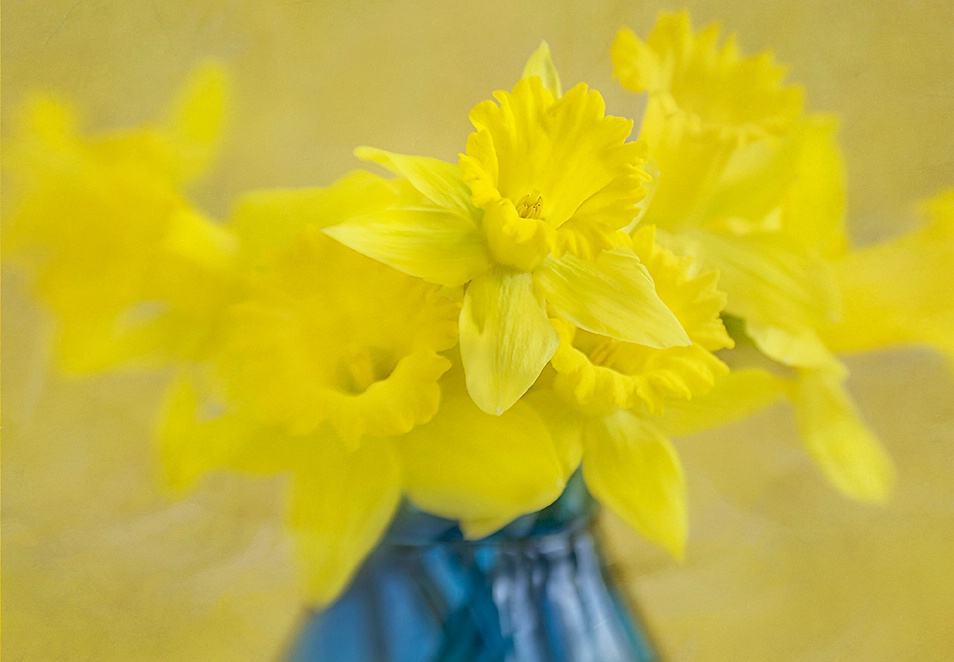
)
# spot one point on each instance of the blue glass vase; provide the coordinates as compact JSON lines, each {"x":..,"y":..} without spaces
{"x":537,"y":591}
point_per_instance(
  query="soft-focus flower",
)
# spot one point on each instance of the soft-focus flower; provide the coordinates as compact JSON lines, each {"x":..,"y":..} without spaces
{"x":327,"y":358}
{"x":898,"y":292}
{"x":754,"y":189}
{"x":608,"y":394}
{"x":129,"y":266}
{"x":703,"y":102}
{"x":551,"y":180}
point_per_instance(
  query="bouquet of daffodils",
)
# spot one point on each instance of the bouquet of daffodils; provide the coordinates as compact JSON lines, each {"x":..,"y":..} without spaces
{"x":467,"y":336}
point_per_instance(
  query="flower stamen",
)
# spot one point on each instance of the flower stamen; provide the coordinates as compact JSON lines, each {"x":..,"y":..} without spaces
{"x":528,"y":209}
{"x":604,"y":354}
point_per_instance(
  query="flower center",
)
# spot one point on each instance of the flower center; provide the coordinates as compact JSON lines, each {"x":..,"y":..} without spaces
{"x":362,"y":366}
{"x":605,"y":352}
{"x":529,"y":207}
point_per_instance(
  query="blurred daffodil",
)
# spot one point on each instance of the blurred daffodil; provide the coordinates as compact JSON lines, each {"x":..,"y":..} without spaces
{"x":530,"y":225}
{"x":129,"y":266}
{"x":754,"y":189}
{"x":327,"y":358}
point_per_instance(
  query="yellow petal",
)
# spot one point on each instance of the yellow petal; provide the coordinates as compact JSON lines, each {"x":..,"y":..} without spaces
{"x":437,"y":180}
{"x":767,"y":279}
{"x":800,"y":348}
{"x":439,"y":246}
{"x":541,"y":65}
{"x":815,"y":209}
{"x":195,"y":121}
{"x":454,"y":466}
{"x":613,"y":296}
{"x":340,"y":505}
{"x":842,"y":446}
{"x":565,"y":424}
{"x":200,"y":241}
{"x":735,"y":396}
{"x":270,"y":219}
{"x":899,"y":292}
{"x":692,"y":294}
{"x":633,"y":469}
{"x":91,"y":341}
{"x":505,"y":338}
{"x":192,"y":445}
{"x":795,"y":186}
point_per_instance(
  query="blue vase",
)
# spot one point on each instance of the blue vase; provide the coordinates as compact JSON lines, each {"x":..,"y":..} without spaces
{"x":537,"y":591}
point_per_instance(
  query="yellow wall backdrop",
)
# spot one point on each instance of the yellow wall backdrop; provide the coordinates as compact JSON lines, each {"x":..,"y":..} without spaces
{"x":99,"y":563}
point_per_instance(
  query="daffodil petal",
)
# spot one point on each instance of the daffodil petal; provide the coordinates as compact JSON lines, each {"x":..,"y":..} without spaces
{"x":565,"y":424}
{"x":840,"y":443}
{"x":451,"y":470}
{"x":800,"y":348}
{"x":767,"y":279}
{"x":270,"y":219}
{"x":195,"y":121}
{"x":899,"y":292}
{"x":541,"y":65}
{"x":613,"y":296}
{"x":438,"y":181}
{"x":505,"y":338}
{"x":192,"y":445}
{"x":815,"y":210}
{"x":439,"y":246}
{"x":340,"y":505}
{"x":735,"y":396}
{"x":633,"y":469}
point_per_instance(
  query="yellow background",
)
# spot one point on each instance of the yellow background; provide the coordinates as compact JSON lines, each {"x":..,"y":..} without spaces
{"x":100,"y":564}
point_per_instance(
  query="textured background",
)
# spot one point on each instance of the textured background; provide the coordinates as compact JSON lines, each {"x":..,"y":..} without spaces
{"x":100,"y":564}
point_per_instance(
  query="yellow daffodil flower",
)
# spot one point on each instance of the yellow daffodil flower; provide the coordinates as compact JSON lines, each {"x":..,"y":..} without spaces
{"x":608,"y":393}
{"x":754,"y":189}
{"x":330,"y":369}
{"x":327,"y":358}
{"x":530,"y":225}
{"x":130,"y":268}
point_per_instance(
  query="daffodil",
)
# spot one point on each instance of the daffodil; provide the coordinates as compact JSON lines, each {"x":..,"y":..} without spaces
{"x":333,"y":368}
{"x":703,"y":102}
{"x":607,"y":395}
{"x":326,"y":358}
{"x":128,"y":265}
{"x":754,"y":189}
{"x":530,"y":225}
